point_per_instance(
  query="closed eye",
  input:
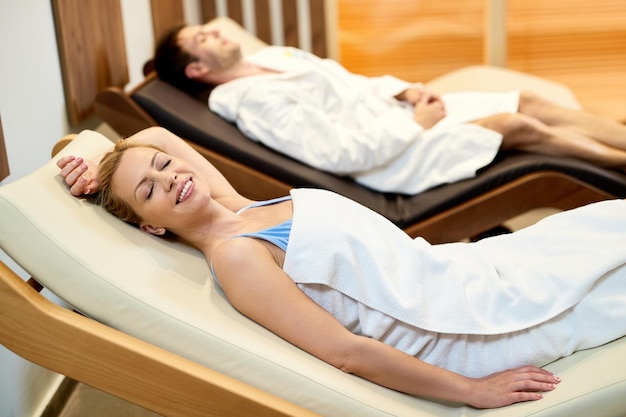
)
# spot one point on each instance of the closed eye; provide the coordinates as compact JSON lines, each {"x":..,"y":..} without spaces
{"x":200,"y":37}
{"x":150,"y":189}
{"x":151,"y":186}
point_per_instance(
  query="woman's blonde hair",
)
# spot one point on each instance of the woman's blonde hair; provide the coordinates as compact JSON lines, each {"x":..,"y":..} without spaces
{"x":109,"y":164}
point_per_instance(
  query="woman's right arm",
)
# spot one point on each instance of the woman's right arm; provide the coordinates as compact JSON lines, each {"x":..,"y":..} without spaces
{"x":80,"y":174}
{"x":259,"y":289}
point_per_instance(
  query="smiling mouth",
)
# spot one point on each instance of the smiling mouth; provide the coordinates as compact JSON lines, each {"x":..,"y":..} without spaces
{"x":184,"y":190}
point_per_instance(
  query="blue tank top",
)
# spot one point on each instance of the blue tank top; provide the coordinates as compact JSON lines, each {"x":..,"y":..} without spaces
{"x":278,"y":235}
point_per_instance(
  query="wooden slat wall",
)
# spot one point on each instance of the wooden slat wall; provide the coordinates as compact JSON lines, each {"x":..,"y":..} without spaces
{"x":320,"y":33}
{"x":262,"y":15}
{"x":579,"y":43}
{"x":165,"y":15}
{"x":4,"y":160}
{"x":92,"y":51}
{"x":289,"y":11}
{"x":209,"y":9}
{"x":290,"y":22}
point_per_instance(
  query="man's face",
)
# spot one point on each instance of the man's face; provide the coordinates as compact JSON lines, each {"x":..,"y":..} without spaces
{"x":209,"y":47}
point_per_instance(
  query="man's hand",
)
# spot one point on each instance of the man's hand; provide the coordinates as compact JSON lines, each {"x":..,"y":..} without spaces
{"x":415,"y":94}
{"x":429,"y":109}
{"x":81,"y":175}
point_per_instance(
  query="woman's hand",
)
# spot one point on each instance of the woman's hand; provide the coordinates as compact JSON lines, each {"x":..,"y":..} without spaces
{"x":80,"y":174}
{"x":526,"y":383}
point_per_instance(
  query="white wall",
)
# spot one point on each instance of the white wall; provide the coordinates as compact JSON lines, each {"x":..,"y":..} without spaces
{"x":33,"y":115}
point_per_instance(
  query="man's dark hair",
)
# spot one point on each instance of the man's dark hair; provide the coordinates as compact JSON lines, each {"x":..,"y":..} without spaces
{"x":170,"y":61}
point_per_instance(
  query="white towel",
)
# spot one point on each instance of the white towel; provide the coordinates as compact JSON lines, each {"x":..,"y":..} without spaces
{"x":496,"y":286}
{"x":525,"y":298}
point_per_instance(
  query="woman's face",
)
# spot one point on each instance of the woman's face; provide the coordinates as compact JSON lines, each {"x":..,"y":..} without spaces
{"x":165,"y":191}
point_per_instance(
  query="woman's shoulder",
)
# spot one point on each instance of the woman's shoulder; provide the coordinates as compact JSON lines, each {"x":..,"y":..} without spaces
{"x":241,"y":260}
{"x":238,"y":253}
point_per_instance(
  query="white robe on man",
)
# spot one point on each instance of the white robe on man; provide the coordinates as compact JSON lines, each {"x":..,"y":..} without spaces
{"x":317,"y":112}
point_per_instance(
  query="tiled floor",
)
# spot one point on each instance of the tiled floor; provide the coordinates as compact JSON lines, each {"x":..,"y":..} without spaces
{"x":84,"y":401}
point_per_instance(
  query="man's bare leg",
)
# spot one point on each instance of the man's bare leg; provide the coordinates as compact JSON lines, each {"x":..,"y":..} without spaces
{"x":525,"y":133}
{"x":607,"y":131}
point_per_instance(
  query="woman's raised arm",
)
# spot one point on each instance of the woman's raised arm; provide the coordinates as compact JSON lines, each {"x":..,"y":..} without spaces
{"x":81,"y":175}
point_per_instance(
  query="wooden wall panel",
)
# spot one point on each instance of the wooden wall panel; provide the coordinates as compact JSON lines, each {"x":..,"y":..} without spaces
{"x":566,"y":35}
{"x":208,"y":9}
{"x":414,"y":40}
{"x":4,"y":160}
{"x":579,"y":43}
{"x":262,"y":17}
{"x":290,"y":22}
{"x":235,"y":10}
{"x":319,"y":32}
{"x":165,"y":15}
{"x":92,"y":51}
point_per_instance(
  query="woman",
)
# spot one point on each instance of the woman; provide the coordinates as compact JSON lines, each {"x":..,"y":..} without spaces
{"x":461,"y":322}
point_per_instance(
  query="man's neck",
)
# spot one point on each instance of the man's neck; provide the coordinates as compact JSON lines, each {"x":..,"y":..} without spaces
{"x":241,"y":69}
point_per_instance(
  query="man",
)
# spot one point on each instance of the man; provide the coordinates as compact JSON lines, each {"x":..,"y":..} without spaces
{"x":388,"y":134}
